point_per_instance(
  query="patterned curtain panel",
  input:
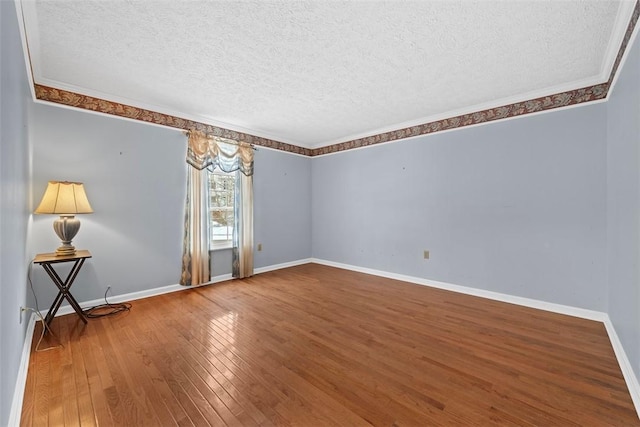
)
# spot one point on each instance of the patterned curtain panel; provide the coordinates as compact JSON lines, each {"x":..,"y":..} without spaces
{"x":206,"y":153}
{"x":243,"y":232}
{"x":195,"y":245}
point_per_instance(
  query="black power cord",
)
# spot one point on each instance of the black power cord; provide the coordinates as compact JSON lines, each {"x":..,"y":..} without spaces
{"x":106,"y":309}
{"x":37,"y":312}
{"x":102,"y":310}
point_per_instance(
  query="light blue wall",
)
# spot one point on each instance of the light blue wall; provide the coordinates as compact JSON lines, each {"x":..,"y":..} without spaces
{"x":135,"y":176}
{"x":516,"y":207}
{"x":623,"y":206}
{"x":282,"y":215}
{"x":14,"y":203}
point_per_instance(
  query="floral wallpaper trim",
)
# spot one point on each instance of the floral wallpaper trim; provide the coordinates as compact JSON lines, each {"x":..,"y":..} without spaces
{"x":591,"y":93}
{"x":72,"y":99}
{"x":564,"y":99}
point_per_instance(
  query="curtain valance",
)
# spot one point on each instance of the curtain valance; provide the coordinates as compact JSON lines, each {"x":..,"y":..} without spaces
{"x":206,"y":151}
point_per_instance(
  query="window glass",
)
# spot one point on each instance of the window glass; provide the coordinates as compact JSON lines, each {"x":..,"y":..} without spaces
{"x":221,"y":191}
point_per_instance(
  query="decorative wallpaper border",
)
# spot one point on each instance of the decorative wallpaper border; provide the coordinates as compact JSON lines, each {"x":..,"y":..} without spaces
{"x":558,"y":100}
{"x":72,"y":99}
{"x":591,"y":93}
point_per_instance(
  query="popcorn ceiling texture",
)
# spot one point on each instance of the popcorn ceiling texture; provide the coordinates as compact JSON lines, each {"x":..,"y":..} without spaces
{"x":313,"y":73}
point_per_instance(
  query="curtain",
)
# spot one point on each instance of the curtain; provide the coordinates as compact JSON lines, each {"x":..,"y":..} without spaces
{"x":195,"y":245}
{"x":243,"y":229}
{"x":206,"y":153}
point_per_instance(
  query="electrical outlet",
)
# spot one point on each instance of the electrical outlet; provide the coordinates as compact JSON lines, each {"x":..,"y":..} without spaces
{"x":21,"y":310}
{"x":426,"y":254}
{"x":259,"y":247}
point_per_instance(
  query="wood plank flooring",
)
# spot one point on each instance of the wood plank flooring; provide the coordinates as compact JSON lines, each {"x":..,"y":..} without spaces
{"x":319,"y":346}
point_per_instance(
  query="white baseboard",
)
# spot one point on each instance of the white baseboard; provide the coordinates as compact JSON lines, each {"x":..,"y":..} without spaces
{"x":625,"y":366}
{"x":527,"y":302}
{"x":623,"y":361}
{"x":21,"y":380}
{"x":281,"y":266}
{"x":67,"y":309}
{"x":132,"y":296}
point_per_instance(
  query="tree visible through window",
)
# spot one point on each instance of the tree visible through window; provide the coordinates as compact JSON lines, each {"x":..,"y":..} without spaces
{"x":221,"y":191}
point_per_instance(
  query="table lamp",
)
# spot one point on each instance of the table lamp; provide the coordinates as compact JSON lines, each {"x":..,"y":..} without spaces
{"x":65,"y":199}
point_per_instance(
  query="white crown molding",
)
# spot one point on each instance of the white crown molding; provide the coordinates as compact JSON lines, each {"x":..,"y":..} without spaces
{"x":25,"y":46}
{"x":625,"y":55}
{"x":566,"y":87}
{"x":621,"y":23}
{"x":619,"y":29}
{"x":459,"y":128}
{"x":160,"y":109}
{"x":417,"y":122}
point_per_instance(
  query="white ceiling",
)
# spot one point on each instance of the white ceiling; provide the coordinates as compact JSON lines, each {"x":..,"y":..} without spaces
{"x":313,"y":73}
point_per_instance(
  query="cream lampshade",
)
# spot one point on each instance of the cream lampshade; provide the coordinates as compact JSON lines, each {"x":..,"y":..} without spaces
{"x":65,"y":199}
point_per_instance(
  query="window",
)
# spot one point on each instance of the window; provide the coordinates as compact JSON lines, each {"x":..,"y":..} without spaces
{"x":221,"y":219}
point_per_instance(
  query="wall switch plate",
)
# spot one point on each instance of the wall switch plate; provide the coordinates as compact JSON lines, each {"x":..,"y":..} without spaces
{"x":426,"y":254}
{"x":259,"y":246}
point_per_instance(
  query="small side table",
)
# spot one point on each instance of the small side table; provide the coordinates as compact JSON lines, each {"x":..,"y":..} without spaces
{"x":47,"y":261}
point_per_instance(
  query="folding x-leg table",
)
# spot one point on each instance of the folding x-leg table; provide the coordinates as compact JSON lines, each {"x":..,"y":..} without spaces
{"x":47,"y":261}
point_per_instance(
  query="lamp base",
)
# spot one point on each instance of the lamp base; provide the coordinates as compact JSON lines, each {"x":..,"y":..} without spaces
{"x":66,"y":227}
{"x":66,"y":250}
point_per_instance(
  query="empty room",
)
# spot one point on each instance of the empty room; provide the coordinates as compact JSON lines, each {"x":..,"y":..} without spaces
{"x":319,"y":213}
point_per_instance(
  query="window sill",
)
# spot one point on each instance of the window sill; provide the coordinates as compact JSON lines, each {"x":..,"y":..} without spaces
{"x":221,"y":247}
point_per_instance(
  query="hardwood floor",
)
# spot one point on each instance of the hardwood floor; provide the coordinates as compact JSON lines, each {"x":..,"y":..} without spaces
{"x":318,"y":346}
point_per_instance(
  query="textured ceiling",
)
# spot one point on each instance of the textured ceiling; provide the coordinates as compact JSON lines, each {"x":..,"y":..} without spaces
{"x":314,"y":73}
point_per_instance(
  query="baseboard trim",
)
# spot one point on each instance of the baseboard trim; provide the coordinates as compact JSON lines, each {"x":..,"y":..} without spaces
{"x":625,"y":366}
{"x":21,"y":380}
{"x":132,"y":296}
{"x":623,"y":361}
{"x":281,"y":266}
{"x":527,"y":302}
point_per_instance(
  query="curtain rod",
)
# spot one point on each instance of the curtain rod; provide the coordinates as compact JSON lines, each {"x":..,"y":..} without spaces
{"x":228,"y":141}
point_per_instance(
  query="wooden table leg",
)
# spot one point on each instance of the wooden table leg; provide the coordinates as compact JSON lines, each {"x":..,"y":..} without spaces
{"x":64,"y":290}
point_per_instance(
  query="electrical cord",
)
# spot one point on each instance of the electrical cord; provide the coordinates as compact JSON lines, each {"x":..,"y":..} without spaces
{"x":37,"y":312}
{"x":102,"y":310}
{"x":106,"y":309}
